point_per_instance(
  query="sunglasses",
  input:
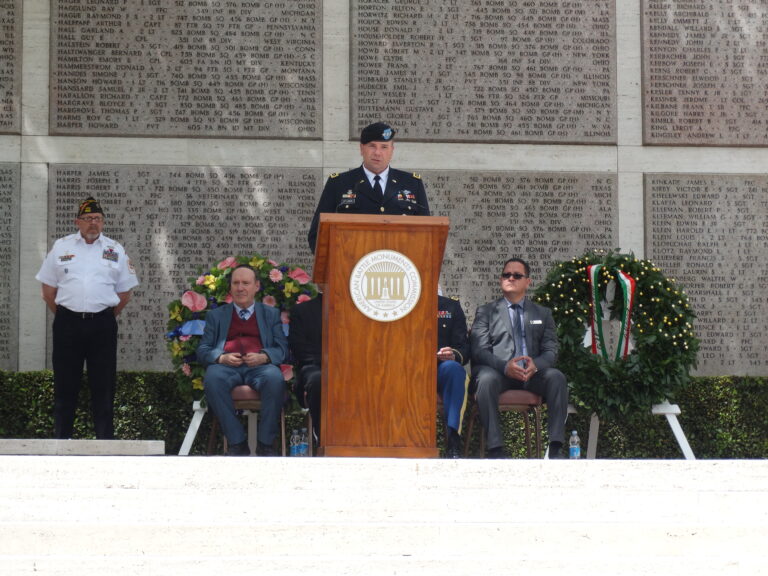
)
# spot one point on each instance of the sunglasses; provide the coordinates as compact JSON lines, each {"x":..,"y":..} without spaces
{"x":515,"y":275}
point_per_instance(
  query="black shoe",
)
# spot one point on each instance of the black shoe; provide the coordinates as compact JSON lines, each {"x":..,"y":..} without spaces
{"x":556,"y":452}
{"x":453,"y":445}
{"x":241,"y":449}
{"x":497,"y":453}
{"x":265,"y":450}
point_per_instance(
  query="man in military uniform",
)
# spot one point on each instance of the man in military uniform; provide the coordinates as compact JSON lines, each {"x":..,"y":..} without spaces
{"x":374,"y":187}
{"x":87,"y":280}
{"x":452,"y":378}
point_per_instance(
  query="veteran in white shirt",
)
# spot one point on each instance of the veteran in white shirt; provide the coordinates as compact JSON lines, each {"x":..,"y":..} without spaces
{"x":87,"y":280}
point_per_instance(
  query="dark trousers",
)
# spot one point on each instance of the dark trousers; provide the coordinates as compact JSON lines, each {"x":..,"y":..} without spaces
{"x":548,"y":383}
{"x":308,"y":388}
{"x":91,"y":341}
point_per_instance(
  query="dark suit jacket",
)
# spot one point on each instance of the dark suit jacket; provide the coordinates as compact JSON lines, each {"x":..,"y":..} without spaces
{"x":217,"y":323}
{"x":493,"y":342}
{"x":351,"y":193}
{"x":305,"y":333}
{"x":452,"y":328}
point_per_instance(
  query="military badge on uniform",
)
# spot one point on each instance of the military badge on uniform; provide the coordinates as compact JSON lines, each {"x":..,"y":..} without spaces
{"x":444,"y":314}
{"x":66,"y":258}
{"x":110,"y":254}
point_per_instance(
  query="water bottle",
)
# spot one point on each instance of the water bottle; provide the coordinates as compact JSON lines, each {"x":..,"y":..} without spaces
{"x":295,"y":440}
{"x":304,"y":443}
{"x":574,"y":446}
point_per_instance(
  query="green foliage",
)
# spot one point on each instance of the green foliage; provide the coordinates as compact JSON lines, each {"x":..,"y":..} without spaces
{"x":722,"y":417}
{"x":665,"y":346}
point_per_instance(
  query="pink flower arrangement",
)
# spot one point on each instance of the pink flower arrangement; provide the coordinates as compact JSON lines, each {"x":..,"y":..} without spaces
{"x":194,"y":301}
{"x":302,"y":298}
{"x":299,"y":275}
{"x":275,"y":275}
{"x":269,"y":300}
{"x":287,"y":370}
{"x":186,"y":369}
{"x":229,"y":262}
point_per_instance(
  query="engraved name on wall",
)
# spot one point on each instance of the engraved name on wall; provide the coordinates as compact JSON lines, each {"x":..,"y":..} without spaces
{"x":176,"y":220}
{"x":710,"y":233}
{"x":10,"y":65}
{"x":210,"y":68}
{"x":705,"y":72}
{"x":486,"y":70}
{"x":9,"y":265}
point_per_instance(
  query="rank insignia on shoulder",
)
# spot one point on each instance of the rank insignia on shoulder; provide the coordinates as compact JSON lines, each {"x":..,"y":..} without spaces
{"x":334,"y":175}
{"x":417,"y":176}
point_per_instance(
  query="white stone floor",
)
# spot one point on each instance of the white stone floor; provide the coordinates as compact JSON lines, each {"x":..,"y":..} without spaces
{"x":212,"y":515}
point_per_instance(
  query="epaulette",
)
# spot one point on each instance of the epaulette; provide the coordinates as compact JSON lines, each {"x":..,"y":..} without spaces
{"x":334,"y":175}
{"x":417,"y":176}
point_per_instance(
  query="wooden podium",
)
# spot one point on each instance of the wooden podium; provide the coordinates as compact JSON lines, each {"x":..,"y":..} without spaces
{"x":379,"y":380}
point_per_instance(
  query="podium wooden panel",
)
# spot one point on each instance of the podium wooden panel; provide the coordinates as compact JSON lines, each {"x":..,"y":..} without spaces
{"x":379,"y":380}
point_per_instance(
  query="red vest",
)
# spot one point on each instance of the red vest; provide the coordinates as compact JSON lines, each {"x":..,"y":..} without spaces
{"x":243,"y":335}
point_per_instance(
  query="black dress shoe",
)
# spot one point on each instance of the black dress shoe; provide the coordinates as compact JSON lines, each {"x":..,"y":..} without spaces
{"x":265,"y":450}
{"x":556,"y":453}
{"x":453,"y":445}
{"x":497,"y":453}
{"x":241,"y":449}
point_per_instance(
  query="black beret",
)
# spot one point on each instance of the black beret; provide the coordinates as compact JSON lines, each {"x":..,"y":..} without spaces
{"x":378,"y":132}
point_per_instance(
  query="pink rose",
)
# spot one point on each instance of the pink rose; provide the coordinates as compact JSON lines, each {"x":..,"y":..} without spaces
{"x":194,"y":301}
{"x":299,"y":275}
{"x":185,"y":337}
{"x":275,"y":275}
{"x":186,"y":369}
{"x":302,"y":298}
{"x":227,"y":263}
{"x":272,"y":262}
{"x":287,"y":371}
{"x":269,"y":300}
{"x":200,"y":280}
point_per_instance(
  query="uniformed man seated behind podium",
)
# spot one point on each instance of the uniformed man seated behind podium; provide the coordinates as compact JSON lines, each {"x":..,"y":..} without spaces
{"x":374,"y":187}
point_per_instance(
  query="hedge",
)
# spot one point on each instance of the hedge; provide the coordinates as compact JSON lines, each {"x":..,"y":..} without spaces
{"x":722,"y":417}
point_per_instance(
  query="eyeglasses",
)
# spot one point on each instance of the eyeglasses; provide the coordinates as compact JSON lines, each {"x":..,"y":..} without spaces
{"x":90,"y":219}
{"x":515,"y":275}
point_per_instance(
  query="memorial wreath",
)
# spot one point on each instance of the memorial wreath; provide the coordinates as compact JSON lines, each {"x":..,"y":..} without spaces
{"x":655,"y":343}
{"x":282,"y":286}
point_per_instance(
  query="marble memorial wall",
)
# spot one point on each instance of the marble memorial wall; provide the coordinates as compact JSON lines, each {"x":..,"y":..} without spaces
{"x":10,"y":65}
{"x":175,"y":221}
{"x":541,"y":217}
{"x":206,"y":68}
{"x":710,"y":232}
{"x":9,"y":265}
{"x":705,"y":72}
{"x":486,"y":70}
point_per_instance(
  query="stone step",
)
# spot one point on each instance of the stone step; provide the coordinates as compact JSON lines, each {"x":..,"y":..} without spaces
{"x":129,"y":515}
{"x":52,"y":447}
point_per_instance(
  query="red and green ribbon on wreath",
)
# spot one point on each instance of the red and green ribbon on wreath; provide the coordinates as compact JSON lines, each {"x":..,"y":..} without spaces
{"x":627,"y":284}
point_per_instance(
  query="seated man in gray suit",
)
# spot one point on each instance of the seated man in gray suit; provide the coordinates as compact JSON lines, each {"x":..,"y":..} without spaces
{"x":514,"y":346}
{"x":244,"y":343}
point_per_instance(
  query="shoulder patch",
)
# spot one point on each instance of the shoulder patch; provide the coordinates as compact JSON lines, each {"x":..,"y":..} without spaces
{"x":417,"y":176}
{"x":334,"y":175}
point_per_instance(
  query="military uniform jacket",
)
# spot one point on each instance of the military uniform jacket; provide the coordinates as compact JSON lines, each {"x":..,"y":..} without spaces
{"x":452,"y":328}
{"x":352,"y":193}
